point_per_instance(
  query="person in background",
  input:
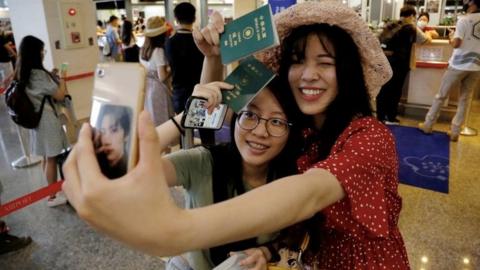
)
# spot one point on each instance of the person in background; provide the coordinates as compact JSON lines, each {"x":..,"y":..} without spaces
{"x":399,"y":55}
{"x":48,"y":138}
{"x":463,"y":69}
{"x":139,"y":25}
{"x":8,"y":242}
{"x":422,"y":24}
{"x":158,"y":100}
{"x":7,"y":56}
{"x":129,"y":46}
{"x":186,"y":62}
{"x":331,"y":64}
{"x":100,"y":29}
{"x":113,"y":39}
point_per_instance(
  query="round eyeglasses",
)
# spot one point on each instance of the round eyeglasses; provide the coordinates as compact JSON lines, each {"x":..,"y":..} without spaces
{"x":276,"y":127}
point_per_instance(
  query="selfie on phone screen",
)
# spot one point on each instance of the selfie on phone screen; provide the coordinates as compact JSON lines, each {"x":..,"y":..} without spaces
{"x":197,"y":115}
{"x":112,"y":129}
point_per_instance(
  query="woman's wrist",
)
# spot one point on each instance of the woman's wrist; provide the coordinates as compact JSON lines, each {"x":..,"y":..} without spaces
{"x":177,"y":125}
{"x":266,"y":252}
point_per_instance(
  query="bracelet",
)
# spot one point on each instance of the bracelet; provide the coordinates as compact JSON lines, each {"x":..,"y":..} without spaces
{"x":177,"y":125}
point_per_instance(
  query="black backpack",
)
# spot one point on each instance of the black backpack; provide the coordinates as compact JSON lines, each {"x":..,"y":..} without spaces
{"x":389,"y":30}
{"x":20,"y":107}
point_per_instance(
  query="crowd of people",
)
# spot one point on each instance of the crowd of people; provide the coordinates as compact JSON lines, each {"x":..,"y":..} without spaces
{"x":307,"y":156}
{"x":170,"y":56}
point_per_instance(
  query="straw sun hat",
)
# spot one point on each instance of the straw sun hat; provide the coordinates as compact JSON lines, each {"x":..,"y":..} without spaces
{"x":155,"y":26}
{"x":376,"y":69}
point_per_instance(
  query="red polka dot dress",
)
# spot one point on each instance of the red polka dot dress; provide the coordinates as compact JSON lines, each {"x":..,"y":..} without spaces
{"x":361,"y":230}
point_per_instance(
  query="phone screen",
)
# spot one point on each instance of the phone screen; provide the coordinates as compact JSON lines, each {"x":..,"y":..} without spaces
{"x":112,"y":126}
{"x":197,"y":115}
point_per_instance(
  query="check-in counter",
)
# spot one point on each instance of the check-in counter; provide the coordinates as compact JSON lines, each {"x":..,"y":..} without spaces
{"x":424,"y":81}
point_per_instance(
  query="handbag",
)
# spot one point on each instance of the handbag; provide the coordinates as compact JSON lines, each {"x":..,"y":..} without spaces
{"x":67,"y":117}
{"x":291,"y":259}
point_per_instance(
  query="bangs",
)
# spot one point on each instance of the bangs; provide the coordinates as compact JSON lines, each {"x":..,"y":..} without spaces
{"x":300,"y":36}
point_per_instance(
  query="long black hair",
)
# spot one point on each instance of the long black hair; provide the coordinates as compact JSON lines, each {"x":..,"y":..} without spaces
{"x":227,"y":166}
{"x":29,"y":57}
{"x":127,"y":34}
{"x":352,"y":100}
{"x":150,"y":44}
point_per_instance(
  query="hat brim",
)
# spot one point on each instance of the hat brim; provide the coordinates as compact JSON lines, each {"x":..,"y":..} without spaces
{"x":376,"y":68}
{"x":155,"y":31}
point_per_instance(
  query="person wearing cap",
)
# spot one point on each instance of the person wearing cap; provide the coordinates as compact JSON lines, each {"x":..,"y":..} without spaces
{"x":113,"y":39}
{"x":152,"y":56}
{"x":331,"y":65}
{"x":463,"y":69}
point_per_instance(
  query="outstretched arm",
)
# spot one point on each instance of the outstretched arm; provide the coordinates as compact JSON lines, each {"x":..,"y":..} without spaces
{"x":116,"y":207}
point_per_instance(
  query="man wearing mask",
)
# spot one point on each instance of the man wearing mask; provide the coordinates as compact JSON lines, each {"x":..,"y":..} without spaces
{"x":422,"y":23}
{"x":399,"y":57}
{"x":463,"y":69}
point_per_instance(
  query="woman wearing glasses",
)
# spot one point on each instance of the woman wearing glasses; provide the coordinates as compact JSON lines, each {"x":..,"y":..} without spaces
{"x":261,"y":150}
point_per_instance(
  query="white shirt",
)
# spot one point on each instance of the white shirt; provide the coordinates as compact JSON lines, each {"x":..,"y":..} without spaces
{"x":467,"y":56}
{"x":156,"y":60}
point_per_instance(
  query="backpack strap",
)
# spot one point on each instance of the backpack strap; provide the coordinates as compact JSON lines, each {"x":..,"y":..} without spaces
{"x":49,"y":98}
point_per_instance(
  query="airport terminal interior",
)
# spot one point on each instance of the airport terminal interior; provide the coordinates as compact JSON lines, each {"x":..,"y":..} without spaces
{"x":440,"y":216}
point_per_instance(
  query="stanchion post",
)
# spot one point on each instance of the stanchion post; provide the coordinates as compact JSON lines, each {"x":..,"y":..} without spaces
{"x":26,"y":160}
{"x":468,"y":131}
{"x":187,"y":139}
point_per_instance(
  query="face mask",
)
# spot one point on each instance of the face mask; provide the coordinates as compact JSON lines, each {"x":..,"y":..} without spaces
{"x":421,"y":24}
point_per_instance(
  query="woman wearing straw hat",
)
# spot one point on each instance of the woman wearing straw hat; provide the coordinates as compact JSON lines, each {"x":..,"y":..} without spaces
{"x":152,"y":55}
{"x":332,"y":65}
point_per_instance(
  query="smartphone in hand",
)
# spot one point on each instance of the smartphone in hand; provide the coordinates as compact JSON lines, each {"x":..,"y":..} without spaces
{"x":117,"y":101}
{"x":196,"y":115}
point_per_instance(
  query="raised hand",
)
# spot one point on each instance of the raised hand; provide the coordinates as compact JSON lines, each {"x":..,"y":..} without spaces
{"x":208,"y":39}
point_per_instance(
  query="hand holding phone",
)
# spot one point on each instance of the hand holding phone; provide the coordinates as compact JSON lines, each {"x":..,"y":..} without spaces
{"x":63,"y":70}
{"x":212,"y":93}
{"x":203,"y":109}
{"x":117,"y":102}
{"x":196,"y":114}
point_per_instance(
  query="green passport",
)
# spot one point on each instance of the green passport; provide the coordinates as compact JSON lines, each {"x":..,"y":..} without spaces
{"x":248,"y":34}
{"x":248,"y":78}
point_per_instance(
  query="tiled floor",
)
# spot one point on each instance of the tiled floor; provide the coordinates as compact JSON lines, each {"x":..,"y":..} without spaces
{"x":441,"y":231}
